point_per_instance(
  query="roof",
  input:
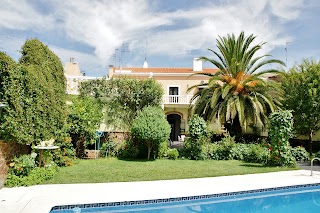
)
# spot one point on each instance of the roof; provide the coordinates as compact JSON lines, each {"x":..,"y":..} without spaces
{"x":165,"y":70}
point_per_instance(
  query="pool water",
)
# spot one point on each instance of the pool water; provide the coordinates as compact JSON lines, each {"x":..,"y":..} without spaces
{"x":301,"y":199}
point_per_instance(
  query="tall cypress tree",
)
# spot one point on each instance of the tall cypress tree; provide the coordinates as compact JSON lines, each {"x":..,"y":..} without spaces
{"x":36,"y":109}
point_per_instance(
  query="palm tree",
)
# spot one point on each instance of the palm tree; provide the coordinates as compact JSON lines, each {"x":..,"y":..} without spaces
{"x":237,"y":95}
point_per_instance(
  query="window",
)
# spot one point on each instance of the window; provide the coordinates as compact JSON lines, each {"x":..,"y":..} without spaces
{"x":173,"y":94}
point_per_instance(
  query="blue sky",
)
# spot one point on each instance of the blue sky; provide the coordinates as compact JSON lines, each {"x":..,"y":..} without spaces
{"x":176,"y":31}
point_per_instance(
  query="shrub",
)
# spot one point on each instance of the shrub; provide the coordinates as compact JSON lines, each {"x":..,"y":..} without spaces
{"x":210,"y":151}
{"x":300,"y":153}
{"x":151,"y":128}
{"x":193,"y":148}
{"x":255,"y":153}
{"x":128,"y":150}
{"x":173,"y":154}
{"x":65,"y":155}
{"x":22,"y":166}
{"x":35,"y":176}
{"x":226,"y":148}
{"x":197,"y":127}
{"x":163,"y":150}
{"x":198,"y":137}
{"x":108,"y":149}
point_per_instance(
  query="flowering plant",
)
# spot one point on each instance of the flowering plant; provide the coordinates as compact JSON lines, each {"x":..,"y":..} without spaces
{"x":21,"y":166}
{"x":280,"y":131}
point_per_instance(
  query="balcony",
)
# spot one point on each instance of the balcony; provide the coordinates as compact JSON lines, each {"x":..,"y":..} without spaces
{"x":176,"y":99}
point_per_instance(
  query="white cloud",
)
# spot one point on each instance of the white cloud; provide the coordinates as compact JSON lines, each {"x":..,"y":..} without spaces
{"x":287,"y":9}
{"x":106,"y":24}
{"x":20,"y":15}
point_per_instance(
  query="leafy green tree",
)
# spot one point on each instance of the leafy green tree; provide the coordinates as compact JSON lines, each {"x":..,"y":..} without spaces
{"x":123,"y":98}
{"x":236,"y":94}
{"x":151,"y":128}
{"x":301,"y":87}
{"x":84,"y":118}
{"x":34,"y":92}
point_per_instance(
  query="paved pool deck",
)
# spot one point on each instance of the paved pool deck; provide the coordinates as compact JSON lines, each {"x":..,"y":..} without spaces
{"x":41,"y":198}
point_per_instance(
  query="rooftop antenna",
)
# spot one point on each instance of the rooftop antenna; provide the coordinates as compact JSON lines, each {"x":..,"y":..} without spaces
{"x":115,"y":57}
{"x":124,"y":48}
{"x":286,"y":49}
{"x":145,"y":64}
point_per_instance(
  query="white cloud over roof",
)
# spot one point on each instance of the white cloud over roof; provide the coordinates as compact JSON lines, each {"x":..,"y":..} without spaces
{"x":104,"y":25}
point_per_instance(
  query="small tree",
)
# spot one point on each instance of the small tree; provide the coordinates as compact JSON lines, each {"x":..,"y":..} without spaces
{"x":151,"y":128}
{"x":280,"y":131}
{"x":123,"y":98}
{"x":302,"y":95}
{"x":84,"y":118}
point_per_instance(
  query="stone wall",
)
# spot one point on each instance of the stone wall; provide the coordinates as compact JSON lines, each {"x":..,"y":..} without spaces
{"x":8,"y":150}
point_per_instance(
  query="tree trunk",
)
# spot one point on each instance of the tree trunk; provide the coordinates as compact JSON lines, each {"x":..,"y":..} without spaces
{"x":80,"y":149}
{"x":234,"y":128}
{"x":310,"y":142}
{"x":149,"y":150}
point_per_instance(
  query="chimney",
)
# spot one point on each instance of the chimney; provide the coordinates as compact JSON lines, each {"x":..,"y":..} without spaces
{"x":71,"y":60}
{"x":197,"y":64}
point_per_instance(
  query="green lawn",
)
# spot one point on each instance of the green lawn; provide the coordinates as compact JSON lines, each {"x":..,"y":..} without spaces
{"x":114,"y":170}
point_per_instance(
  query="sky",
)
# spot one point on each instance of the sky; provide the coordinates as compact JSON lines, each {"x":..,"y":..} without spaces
{"x":169,"y":33}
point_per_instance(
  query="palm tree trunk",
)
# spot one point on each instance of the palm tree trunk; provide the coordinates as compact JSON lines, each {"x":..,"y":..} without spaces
{"x":234,"y":128}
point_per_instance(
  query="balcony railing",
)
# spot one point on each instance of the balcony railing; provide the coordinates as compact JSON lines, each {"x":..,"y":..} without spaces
{"x":176,"y":99}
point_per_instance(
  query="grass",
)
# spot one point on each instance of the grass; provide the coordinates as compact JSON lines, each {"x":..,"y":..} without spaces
{"x":115,"y":170}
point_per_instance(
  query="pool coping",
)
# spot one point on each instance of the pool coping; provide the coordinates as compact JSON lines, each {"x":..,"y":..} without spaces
{"x":177,"y":199}
{"x":42,"y":198}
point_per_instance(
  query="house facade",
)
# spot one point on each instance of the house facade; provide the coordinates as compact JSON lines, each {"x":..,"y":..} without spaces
{"x":175,"y":83}
{"x":74,"y":77}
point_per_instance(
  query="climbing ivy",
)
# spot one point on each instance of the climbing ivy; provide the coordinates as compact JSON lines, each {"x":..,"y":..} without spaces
{"x":280,"y":131}
{"x":34,"y":93}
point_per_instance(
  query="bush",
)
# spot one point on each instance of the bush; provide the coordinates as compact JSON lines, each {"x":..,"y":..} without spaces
{"x":193,"y":148}
{"x":151,"y":128}
{"x":163,"y":150}
{"x":227,"y":150}
{"x":255,"y":153}
{"x":300,"y":153}
{"x":173,"y":154}
{"x":108,"y":149}
{"x":35,"y":176}
{"x":22,"y":166}
{"x":128,"y":150}
{"x":197,"y":127}
{"x":65,"y":155}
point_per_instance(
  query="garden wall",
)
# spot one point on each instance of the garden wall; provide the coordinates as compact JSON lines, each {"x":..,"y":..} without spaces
{"x":117,"y":137}
{"x":9,"y":150}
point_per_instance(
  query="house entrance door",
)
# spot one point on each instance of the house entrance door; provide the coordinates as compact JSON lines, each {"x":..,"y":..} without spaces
{"x":174,"y":120}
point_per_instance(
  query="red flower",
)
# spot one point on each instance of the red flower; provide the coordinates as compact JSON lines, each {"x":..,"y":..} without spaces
{"x":277,"y":158}
{"x":19,"y":168}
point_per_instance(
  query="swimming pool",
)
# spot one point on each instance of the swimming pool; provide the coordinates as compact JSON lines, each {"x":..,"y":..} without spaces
{"x":299,"y":198}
